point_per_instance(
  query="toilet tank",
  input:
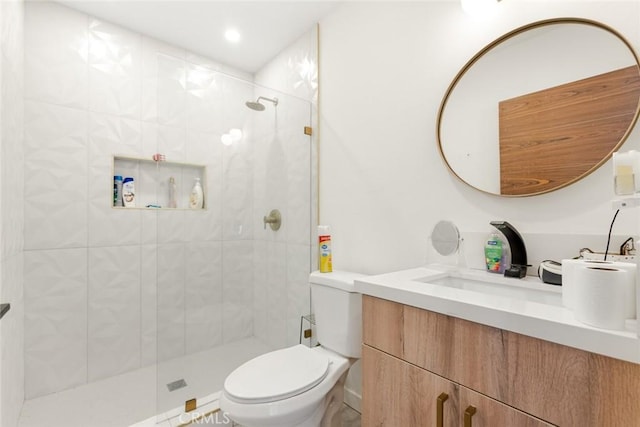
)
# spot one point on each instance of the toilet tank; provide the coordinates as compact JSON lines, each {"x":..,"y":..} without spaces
{"x":338,"y":311}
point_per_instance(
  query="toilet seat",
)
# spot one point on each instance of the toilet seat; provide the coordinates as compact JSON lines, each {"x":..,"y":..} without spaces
{"x":277,"y":375}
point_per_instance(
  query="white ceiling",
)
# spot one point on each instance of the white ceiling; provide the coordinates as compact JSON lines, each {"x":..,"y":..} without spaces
{"x":266,"y":27}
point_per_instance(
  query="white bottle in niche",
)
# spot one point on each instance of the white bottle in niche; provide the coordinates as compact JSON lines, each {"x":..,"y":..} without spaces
{"x":196,"y":198}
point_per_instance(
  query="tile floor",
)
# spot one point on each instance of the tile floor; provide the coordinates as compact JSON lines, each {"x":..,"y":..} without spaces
{"x":129,"y":398}
{"x":133,"y":399}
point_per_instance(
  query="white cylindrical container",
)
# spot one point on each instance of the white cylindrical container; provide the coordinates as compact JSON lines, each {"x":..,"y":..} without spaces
{"x":601,"y":299}
{"x":196,"y":198}
{"x":128,"y":193}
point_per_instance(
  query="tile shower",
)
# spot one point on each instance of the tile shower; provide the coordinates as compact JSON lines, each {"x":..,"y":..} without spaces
{"x":109,"y":291}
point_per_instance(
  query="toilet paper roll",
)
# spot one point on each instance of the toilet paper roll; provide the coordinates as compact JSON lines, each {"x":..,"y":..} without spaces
{"x":601,"y":299}
{"x":570,"y":282}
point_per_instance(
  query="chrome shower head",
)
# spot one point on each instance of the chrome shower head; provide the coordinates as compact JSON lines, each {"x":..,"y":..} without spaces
{"x":257,"y":106}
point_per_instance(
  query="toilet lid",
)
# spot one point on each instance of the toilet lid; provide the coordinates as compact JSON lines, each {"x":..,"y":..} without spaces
{"x":277,"y":375}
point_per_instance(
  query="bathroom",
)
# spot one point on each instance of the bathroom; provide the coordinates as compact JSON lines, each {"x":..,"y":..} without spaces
{"x":384,"y":68}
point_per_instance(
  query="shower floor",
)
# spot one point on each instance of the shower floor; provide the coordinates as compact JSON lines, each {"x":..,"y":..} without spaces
{"x":136,"y":396}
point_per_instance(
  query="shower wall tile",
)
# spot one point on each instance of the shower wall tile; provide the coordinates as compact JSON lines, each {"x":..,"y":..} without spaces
{"x":298,"y":289}
{"x":167,"y":140}
{"x":203,"y":296}
{"x":204,"y":99}
{"x":114,"y":311}
{"x":59,"y":46}
{"x":12,"y":210}
{"x":237,"y":192}
{"x":151,"y":49}
{"x":12,"y":335}
{"x":260,"y":291}
{"x":237,"y":290}
{"x":56,"y":175}
{"x":299,"y":185}
{"x":171,"y":301}
{"x":172,"y":94}
{"x":55,"y":296}
{"x":114,"y":70}
{"x":148,"y":304}
{"x":276,"y":283}
{"x":109,"y":135}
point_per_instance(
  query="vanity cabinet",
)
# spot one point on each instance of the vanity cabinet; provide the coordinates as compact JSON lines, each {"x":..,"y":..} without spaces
{"x":411,"y":356}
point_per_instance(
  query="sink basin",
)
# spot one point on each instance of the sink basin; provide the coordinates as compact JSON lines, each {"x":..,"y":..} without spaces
{"x":492,"y":284}
{"x":499,"y":289}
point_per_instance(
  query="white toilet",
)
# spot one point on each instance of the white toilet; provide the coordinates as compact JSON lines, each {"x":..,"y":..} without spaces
{"x":301,"y":386}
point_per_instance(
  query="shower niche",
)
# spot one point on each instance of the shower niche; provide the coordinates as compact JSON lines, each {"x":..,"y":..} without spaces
{"x":158,"y":183}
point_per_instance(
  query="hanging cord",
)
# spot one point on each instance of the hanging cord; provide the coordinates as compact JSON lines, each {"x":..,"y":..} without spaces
{"x":609,"y":238}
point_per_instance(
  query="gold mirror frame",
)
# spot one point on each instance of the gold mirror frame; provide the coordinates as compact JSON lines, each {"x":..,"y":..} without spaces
{"x":498,"y":41}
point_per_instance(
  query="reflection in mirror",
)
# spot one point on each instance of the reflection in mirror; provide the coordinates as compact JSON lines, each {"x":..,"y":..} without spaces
{"x":540,"y":108}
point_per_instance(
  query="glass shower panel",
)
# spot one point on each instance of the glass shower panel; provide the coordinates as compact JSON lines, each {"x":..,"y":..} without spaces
{"x":228,"y":286}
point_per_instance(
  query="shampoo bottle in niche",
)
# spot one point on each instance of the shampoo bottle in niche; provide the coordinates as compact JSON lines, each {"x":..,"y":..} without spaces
{"x":117,"y":190}
{"x":128,"y":193}
{"x":196,"y":198}
{"x":324,"y":249}
{"x":496,"y":253}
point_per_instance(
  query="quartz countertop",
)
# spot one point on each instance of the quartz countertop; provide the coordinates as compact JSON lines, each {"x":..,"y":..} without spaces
{"x":549,"y":321}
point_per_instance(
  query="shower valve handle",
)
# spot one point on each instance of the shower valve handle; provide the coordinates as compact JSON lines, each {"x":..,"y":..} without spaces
{"x":274,"y":220}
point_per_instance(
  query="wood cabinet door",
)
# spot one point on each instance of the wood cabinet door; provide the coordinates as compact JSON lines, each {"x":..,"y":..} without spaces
{"x":396,"y":393}
{"x":488,"y":412}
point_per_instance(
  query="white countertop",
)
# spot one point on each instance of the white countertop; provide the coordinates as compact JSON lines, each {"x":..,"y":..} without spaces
{"x":547,"y":321}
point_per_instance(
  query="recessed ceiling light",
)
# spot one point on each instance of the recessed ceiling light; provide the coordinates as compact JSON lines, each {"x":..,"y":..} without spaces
{"x":232,"y":35}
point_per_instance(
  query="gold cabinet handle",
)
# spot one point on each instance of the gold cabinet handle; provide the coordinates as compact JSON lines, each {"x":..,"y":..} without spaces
{"x":468,"y":413}
{"x":440,"y":409}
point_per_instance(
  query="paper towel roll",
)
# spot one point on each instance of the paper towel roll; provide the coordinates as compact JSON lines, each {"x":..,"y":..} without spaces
{"x":602,"y":297}
{"x":570,"y":283}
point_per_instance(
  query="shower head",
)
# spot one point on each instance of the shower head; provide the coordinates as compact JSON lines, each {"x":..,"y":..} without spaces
{"x":257,"y":106}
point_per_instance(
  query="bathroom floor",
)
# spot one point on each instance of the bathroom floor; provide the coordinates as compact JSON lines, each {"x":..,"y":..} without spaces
{"x":133,"y":399}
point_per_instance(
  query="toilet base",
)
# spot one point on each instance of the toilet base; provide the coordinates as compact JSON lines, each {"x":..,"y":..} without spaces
{"x":333,"y":404}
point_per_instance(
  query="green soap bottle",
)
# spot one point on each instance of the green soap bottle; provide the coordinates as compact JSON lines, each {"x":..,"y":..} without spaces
{"x":494,"y":253}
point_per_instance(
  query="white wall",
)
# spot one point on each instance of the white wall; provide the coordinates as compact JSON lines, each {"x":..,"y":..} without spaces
{"x":384,"y":69}
{"x":11,"y":211}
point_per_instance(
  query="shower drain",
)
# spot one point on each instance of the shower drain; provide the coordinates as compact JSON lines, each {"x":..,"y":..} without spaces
{"x":175,"y":385}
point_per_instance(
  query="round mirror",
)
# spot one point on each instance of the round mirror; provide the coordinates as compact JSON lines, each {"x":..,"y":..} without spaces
{"x":445,"y":238}
{"x":540,"y":108}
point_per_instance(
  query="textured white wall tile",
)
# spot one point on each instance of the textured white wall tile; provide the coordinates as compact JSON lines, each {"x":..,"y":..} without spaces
{"x":12,"y":334}
{"x":203,"y":295}
{"x":298,"y":289}
{"x":204,"y":99}
{"x":114,"y":311}
{"x":151,"y":49}
{"x":171,"y":301}
{"x":148,"y":304}
{"x":260,"y":290}
{"x":110,"y":135}
{"x":237,"y":192}
{"x":55,"y":320}
{"x":237,"y":289}
{"x":276,"y":283}
{"x":55,"y":176}
{"x":12,"y":211}
{"x":57,"y":41}
{"x":172,"y":95}
{"x":115,"y":70}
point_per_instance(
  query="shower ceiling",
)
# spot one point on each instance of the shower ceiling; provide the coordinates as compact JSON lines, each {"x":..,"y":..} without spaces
{"x":266,"y":27}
